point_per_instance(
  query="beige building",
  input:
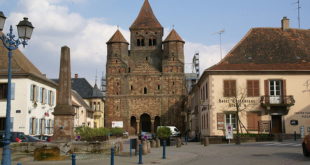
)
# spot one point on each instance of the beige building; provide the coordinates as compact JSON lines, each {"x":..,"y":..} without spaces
{"x":84,"y":115}
{"x":266,"y":76}
{"x":93,"y":97}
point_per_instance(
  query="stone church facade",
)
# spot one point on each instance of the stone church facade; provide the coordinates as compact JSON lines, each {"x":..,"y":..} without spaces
{"x":146,"y":83}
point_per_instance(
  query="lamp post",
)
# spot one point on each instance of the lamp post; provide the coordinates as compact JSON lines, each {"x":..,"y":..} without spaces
{"x":24,"y":29}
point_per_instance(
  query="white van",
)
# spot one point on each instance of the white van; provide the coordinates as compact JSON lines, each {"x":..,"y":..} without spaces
{"x":173,"y":129}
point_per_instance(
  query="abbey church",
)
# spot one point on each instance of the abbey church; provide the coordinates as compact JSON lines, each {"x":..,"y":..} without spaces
{"x":145,"y":78}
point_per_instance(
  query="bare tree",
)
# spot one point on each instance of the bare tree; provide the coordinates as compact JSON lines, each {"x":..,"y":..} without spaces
{"x":239,"y":103}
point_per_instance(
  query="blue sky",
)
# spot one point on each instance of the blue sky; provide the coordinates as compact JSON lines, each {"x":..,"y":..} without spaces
{"x":86,"y":25}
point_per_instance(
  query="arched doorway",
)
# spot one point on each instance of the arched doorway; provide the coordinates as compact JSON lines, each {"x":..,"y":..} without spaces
{"x":133,"y":125}
{"x":156,"y":123}
{"x":145,"y":121}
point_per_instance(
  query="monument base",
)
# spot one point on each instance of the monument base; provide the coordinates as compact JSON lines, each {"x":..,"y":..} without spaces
{"x":63,"y":128}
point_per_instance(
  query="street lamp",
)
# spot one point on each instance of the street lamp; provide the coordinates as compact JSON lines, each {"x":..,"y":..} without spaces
{"x":24,"y":29}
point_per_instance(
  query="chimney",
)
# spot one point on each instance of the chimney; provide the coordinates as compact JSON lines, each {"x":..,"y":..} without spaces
{"x":76,"y":75}
{"x":285,"y":23}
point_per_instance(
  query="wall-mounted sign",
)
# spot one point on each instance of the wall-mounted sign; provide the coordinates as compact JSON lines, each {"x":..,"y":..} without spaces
{"x":303,"y":114}
{"x":118,"y":124}
{"x":18,"y":111}
{"x":294,"y":122}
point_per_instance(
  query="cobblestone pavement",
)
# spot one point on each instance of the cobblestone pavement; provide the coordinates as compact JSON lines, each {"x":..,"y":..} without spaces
{"x":266,"y":153}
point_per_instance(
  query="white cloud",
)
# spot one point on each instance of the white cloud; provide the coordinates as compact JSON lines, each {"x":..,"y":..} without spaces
{"x":56,"y":26}
{"x":208,"y":54}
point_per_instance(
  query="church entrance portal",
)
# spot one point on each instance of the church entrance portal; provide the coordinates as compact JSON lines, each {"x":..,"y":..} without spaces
{"x":146,"y":124}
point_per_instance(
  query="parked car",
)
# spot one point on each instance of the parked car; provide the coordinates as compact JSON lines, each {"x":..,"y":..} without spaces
{"x":32,"y":139}
{"x":146,"y":135}
{"x":44,"y":137}
{"x":14,"y":136}
{"x":306,"y":146}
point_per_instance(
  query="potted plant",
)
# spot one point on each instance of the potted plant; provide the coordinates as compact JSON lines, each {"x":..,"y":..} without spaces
{"x":164,"y":133}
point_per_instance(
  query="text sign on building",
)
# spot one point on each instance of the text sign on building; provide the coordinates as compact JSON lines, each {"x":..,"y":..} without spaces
{"x":229,"y":131}
{"x":117,"y":124}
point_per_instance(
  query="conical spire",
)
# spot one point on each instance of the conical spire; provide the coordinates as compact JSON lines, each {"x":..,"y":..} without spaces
{"x":117,"y":38}
{"x":146,"y":18}
{"x":173,"y":36}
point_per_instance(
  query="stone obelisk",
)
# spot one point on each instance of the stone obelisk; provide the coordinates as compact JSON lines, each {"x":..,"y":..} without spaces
{"x":64,"y":112}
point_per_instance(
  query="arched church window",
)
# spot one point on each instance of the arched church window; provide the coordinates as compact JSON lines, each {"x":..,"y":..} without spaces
{"x":152,"y":42}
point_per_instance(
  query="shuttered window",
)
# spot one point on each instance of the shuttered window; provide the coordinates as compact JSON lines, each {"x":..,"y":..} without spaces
{"x":252,"y":120}
{"x":229,"y":88}
{"x":252,"y":88}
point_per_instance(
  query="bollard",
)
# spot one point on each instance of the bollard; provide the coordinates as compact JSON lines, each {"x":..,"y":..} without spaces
{"x":144,"y":147}
{"x":112,"y":156}
{"x":140,"y":154}
{"x":295,"y":136}
{"x":148,"y":146}
{"x":130,"y":147}
{"x":73,"y":159}
{"x":164,"y":149}
{"x":206,"y":141}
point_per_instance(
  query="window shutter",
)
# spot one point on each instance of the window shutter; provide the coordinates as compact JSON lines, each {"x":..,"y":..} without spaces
{"x":37,"y":126}
{"x":37,"y":93}
{"x":249,"y":88}
{"x":30,"y":126}
{"x":220,"y":121}
{"x":266,"y":83}
{"x":31,"y":92}
{"x":40,"y":95}
{"x":256,"y":88}
{"x":12,"y":91}
{"x":233,"y":88}
{"x":226,"y":88}
{"x":284,"y":87}
{"x":40,"y":126}
{"x":48,"y":97}
{"x":45,"y":96}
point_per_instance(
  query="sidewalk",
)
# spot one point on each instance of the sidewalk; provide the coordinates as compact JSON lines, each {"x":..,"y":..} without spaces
{"x":155,"y":157}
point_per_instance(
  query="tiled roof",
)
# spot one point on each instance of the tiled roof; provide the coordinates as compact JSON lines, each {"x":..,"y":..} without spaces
{"x":84,"y":89}
{"x":269,"y":49}
{"x":117,"y":37}
{"x":146,"y":18}
{"x":173,"y":36}
{"x":80,"y":100}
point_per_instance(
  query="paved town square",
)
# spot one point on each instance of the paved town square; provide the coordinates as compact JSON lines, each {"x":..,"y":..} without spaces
{"x":267,"y":153}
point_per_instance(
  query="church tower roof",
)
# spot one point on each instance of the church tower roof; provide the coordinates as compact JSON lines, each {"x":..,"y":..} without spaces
{"x":117,"y":38}
{"x":146,"y":18}
{"x":173,"y":36}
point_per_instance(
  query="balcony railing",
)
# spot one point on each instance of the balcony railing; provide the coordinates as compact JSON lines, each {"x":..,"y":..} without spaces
{"x":277,"y":101}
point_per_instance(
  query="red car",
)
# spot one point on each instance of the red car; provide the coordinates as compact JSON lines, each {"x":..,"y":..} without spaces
{"x":306,"y":146}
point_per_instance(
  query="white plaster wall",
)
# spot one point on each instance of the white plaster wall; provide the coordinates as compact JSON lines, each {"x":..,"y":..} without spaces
{"x":22,"y":102}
